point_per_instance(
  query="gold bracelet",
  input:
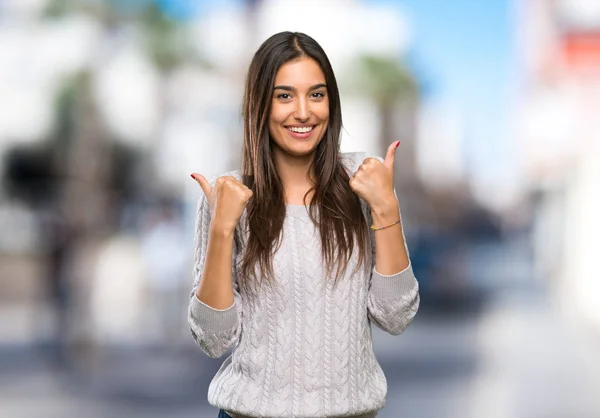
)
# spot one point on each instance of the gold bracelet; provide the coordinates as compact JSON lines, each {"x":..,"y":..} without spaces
{"x":374,"y":228}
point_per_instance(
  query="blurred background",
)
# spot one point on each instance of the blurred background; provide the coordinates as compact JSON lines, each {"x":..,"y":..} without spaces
{"x":106,"y":106}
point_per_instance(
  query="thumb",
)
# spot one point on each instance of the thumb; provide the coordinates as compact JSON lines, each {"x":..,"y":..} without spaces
{"x":390,"y":155}
{"x":201,"y":180}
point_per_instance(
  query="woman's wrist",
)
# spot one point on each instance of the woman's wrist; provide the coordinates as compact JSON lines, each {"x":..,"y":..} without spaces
{"x":386,"y":212}
{"x":221,"y":230}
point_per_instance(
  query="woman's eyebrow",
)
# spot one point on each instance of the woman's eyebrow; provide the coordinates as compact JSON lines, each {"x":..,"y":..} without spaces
{"x":318,"y":86}
{"x":286,"y":88}
{"x":290,"y":88}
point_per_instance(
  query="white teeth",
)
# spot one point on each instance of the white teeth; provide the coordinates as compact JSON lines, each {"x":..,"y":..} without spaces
{"x":302,"y":130}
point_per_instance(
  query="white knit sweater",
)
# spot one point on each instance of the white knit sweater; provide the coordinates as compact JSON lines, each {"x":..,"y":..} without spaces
{"x":302,"y":348}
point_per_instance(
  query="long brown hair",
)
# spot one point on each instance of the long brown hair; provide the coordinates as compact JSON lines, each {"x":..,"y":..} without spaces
{"x":335,"y":208}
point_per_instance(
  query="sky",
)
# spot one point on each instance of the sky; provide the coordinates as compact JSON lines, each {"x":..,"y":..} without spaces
{"x":464,"y":51}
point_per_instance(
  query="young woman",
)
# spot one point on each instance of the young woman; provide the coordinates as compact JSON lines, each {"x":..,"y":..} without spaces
{"x":287,"y":270}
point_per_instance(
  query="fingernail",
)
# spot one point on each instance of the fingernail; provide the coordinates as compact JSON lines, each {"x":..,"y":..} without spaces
{"x":192,"y":176}
{"x":397,"y":144}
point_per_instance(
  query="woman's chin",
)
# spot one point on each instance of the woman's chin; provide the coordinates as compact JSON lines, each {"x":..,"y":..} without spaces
{"x":297,"y":148}
{"x":302,"y":149}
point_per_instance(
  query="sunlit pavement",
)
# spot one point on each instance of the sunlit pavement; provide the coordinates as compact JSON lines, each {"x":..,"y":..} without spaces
{"x":515,"y":359}
{"x":518,"y":359}
{"x":119,"y":383}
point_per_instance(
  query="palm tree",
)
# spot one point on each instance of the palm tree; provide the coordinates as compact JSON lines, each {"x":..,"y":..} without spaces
{"x":393,"y":89}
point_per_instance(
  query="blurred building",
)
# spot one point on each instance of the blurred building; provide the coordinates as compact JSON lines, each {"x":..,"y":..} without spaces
{"x":559,"y":124}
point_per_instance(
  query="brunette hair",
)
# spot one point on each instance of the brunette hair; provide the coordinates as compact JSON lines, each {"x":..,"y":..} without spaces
{"x":334,"y":208}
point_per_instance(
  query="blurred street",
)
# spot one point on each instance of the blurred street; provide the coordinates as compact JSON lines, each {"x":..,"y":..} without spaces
{"x":515,"y":360}
{"x":515,"y":357}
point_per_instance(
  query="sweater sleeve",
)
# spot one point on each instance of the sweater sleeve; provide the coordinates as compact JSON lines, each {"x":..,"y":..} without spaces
{"x":214,"y":330}
{"x":393,"y":300}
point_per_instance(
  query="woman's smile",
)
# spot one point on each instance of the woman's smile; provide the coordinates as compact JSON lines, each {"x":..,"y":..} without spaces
{"x":300,"y":131}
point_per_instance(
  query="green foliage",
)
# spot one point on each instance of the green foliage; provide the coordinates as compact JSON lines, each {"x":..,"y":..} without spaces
{"x":57,"y":8}
{"x":162,"y":39}
{"x":382,"y":79}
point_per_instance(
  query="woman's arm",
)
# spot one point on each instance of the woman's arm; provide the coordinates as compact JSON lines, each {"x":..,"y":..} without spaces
{"x":216,"y":289}
{"x":393,"y":297}
{"x":394,"y":292}
{"x":215,"y":308}
{"x":391,"y":252}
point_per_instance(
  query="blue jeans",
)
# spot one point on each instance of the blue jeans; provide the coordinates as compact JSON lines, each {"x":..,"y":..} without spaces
{"x":223,"y":414}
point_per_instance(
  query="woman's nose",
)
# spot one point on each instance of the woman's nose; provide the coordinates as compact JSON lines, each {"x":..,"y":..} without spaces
{"x":302,"y":112}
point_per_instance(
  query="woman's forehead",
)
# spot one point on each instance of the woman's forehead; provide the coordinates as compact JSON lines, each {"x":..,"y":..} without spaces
{"x":301,"y":72}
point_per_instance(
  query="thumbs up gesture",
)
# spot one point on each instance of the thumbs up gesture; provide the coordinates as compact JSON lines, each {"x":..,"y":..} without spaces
{"x":374,"y":180}
{"x":227,"y":200}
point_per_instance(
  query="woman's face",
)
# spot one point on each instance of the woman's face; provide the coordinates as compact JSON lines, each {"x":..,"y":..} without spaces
{"x":299,"y":107}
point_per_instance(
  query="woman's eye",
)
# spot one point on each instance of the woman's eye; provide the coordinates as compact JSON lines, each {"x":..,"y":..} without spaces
{"x":283,"y":96}
{"x":318,"y":94}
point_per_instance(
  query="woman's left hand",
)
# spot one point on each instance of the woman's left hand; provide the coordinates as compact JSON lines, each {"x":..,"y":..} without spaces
{"x":374,"y":180}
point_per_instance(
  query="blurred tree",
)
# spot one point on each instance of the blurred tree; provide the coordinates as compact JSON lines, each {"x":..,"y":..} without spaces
{"x":56,"y":8}
{"x":76,"y":181}
{"x":80,"y":176}
{"x":165,"y":40}
{"x":59,"y":8}
{"x":162,"y":37}
{"x":388,"y":84}
{"x":392,"y":88}
{"x":384,"y":80}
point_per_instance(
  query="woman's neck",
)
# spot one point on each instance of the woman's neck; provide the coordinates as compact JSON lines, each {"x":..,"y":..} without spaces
{"x":294,"y":174}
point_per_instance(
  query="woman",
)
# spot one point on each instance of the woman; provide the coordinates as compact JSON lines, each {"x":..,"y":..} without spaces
{"x":286,"y":270}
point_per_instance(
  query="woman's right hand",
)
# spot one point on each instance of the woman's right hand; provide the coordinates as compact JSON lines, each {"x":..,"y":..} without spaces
{"x":227,"y":200}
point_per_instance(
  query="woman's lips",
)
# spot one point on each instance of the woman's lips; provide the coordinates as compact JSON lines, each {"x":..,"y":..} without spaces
{"x":300,"y":135}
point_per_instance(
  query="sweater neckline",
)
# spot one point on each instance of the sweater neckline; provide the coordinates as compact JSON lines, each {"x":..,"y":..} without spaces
{"x":296,"y":210}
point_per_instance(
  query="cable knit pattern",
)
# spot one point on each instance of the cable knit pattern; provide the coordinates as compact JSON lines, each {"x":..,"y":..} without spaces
{"x":301,"y":347}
